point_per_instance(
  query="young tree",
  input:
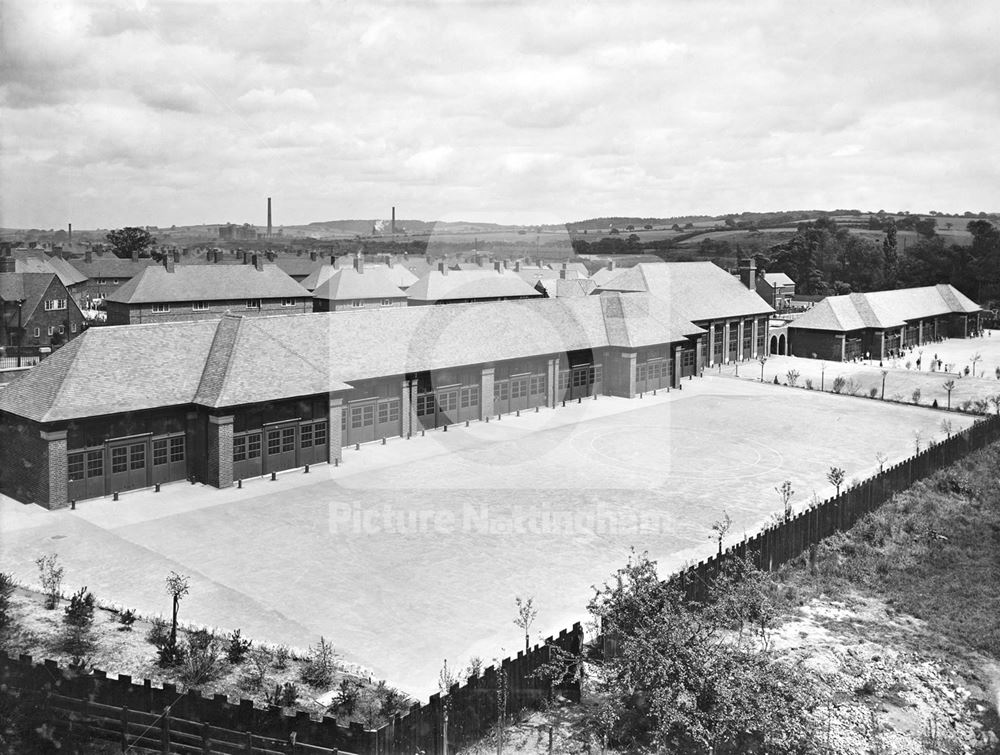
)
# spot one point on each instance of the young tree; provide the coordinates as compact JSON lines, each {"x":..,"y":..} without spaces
{"x":793,"y":377}
{"x":995,"y":400}
{"x":177,"y":587}
{"x":50,"y":574}
{"x":721,"y":528}
{"x":78,"y":620}
{"x":949,"y":386}
{"x":918,"y":438}
{"x":881,"y":458}
{"x":785,"y":493}
{"x":974,"y":359}
{"x":946,"y":426}
{"x":836,"y":477}
{"x":526,"y":613}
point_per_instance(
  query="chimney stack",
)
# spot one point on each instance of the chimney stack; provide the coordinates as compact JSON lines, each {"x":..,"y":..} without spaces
{"x":443,"y":267}
{"x":394,"y":221}
{"x":359,"y":262}
{"x":258,"y":263}
{"x":177,"y":255}
{"x":498,"y":267}
{"x":313,"y":256}
{"x":88,"y":256}
{"x":168,"y":263}
{"x":269,"y":217}
{"x":135,"y":255}
{"x":611,"y":264}
{"x":563,"y":272}
{"x":748,"y":273}
{"x":517,"y":266}
{"x":69,"y":240}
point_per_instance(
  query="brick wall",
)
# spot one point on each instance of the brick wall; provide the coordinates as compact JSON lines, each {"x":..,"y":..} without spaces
{"x":335,"y":440}
{"x":805,"y":343}
{"x":486,"y":393}
{"x":53,"y":489}
{"x":123,"y":314}
{"x":69,"y":318}
{"x":23,"y":458}
{"x":219,"y":467}
{"x":348,"y":306}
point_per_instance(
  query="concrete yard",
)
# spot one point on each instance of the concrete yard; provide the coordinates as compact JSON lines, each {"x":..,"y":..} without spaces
{"x":413,"y":552}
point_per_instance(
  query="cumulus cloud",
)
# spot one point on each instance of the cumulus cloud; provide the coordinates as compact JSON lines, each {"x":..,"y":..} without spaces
{"x":524,"y":112}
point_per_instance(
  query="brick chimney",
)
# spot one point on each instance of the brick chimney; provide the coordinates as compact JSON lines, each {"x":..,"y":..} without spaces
{"x":611,"y":264}
{"x":247,"y":258}
{"x":517,"y":266}
{"x":443,"y":267}
{"x":135,"y":255}
{"x":563,"y":272}
{"x":168,"y":263}
{"x":498,"y":266}
{"x":313,"y":256}
{"x":258,"y":263}
{"x":359,"y":262}
{"x":177,"y":255}
{"x":748,"y":273}
{"x":7,"y":262}
{"x":88,"y":256}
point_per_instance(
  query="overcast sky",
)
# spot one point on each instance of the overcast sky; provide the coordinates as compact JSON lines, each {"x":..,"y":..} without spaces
{"x":160,"y":113}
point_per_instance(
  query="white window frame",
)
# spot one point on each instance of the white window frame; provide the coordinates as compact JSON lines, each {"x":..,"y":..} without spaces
{"x":51,"y":305}
{"x":387,"y":302}
{"x":357,"y":303}
{"x":161,"y":308}
{"x":200,"y":306}
{"x":253,"y":303}
{"x":52,"y":330}
{"x":38,"y":332}
{"x":288,"y":302}
{"x":72,"y":327}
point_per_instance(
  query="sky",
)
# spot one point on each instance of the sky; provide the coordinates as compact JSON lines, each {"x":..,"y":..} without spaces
{"x":140,"y":112}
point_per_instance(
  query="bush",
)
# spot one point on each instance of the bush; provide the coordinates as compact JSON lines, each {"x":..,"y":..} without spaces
{"x":126,"y":618}
{"x":838,"y":384}
{"x":916,"y":395}
{"x":809,"y":384}
{"x":872,"y":392}
{"x":320,"y":666}
{"x":238,"y":648}
{"x":256,"y":673}
{"x":793,"y":377}
{"x":50,"y":574}
{"x":203,"y":659}
{"x":281,"y":657}
{"x":284,"y":695}
{"x":348,"y":696}
{"x":6,"y":591}
{"x":159,"y":633}
{"x":78,"y":620}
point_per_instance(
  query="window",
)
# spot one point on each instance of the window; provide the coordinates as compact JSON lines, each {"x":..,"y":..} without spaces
{"x":38,"y":332}
{"x":239,"y":448}
{"x":95,"y":463}
{"x":357,"y":303}
{"x":518,"y":388}
{"x":288,"y":302}
{"x":537,"y":384}
{"x":75,"y":467}
{"x":387,"y":302}
{"x":501,"y":391}
{"x":114,"y":281}
{"x":253,"y":446}
{"x":176,"y":449}
{"x":448,"y":402}
{"x":306,"y":436}
{"x":425,"y":404}
{"x":62,"y":330}
{"x":388,"y":411}
{"x":137,"y":456}
{"x":288,"y":439}
{"x":319,"y":434}
{"x":363,"y":416}
{"x":470,"y":397}
{"x":160,"y":308}
{"x":563,"y":379}
{"x":52,"y":329}
{"x":253,"y":303}
{"x":159,"y":452}
{"x":273,"y":441}
{"x":119,"y":460}
{"x":199,"y":306}
{"x":72,"y":327}
{"x":687,"y":357}
{"x":54,"y":304}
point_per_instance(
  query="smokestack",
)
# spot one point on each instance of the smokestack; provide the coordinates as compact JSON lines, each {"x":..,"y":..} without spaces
{"x":498,"y":266}
{"x":269,"y":217}
{"x":69,"y":240}
{"x":393,"y":221}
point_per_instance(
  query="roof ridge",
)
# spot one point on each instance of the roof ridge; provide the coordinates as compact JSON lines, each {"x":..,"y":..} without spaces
{"x":213,"y":376}
{"x":77,"y":343}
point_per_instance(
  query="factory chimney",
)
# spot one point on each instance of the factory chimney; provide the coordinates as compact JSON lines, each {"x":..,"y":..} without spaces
{"x":69,"y":240}
{"x":393,"y":221}
{"x":269,"y":217}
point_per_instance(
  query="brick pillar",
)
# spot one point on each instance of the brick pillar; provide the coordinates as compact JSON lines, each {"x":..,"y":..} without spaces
{"x":725,"y":342}
{"x":486,"y":393}
{"x":710,"y":356}
{"x":53,"y":483}
{"x":677,"y":366}
{"x":335,"y":441}
{"x":699,"y":355}
{"x":842,"y":338}
{"x":754,"y":326}
{"x":623,"y":374}
{"x":406,"y":408}
{"x":219,"y":469}
{"x":739,"y":340}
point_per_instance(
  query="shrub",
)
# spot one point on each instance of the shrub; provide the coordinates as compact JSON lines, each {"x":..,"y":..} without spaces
{"x":126,"y":618}
{"x":281,"y":656}
{"x":348,"y":695}
{"x":809,"y":384}
{"x":256,"y":673}
{"x":78,"y":620}
{"x":872,"y":392}
{"x":238,"y":648}
{"x":838,"y":384}
{"x":965,"y":406}
{"x":320,"y":666}
{"x":776,"y":380}
{"x":284,"y":695}
{"x":916,"y":395}
{"x":203,"y":661}
{"x":6,"y":591}
{"x":159,"y":633}
{"x":793,"y":377}
{"x":50,"y":574}
{"x":908,"y":364}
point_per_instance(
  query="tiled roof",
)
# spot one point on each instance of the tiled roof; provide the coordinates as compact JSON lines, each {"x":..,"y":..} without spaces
{"x":298,"y":266}
{"x":469,"y":284}
{"x":566,"y":286}
{"x":207,"y":283}
{"x":348,"y":284}
{"x":242,"y":360}
{"x":400,"y":275}
{"x":110,"y":266}
{"x":884,"y":309}
{"x":37,"y":262}
{"x":699,"y":290}
{"x":29,"y":288}
{"x":535,"y":274}
{"x":602,"y":276}
{"x":778,"y":279}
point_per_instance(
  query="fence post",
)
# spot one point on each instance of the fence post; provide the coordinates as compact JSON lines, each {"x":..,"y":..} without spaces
{"x":206,"y":738}
{"x":165,"y":731}
{"x":124,"y":721}
{"x":249,"y":744}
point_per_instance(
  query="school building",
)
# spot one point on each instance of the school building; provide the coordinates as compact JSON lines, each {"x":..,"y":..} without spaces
{"x":845,"y":327}
{"x":123,"y":408}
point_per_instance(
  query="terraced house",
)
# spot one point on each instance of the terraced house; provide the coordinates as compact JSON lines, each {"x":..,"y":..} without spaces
{"x":854,"y":325}
{"x":237,"y":397}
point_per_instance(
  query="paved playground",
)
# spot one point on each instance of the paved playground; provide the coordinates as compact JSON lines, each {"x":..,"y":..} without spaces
{"x":413,"y":552}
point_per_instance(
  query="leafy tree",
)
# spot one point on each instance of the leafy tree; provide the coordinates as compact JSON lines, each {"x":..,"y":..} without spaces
{"x":925,"y":227}
{"x":836,"y":477}
{"x":126,"y":241}
{"x":526,"y":613}
{"x":949,"y":386}
{"x":50,"y":574}
{"x":177,"y":587}
{"x":721,"y":527}
{"x":78,"y":620}
{"x":890,"y":254}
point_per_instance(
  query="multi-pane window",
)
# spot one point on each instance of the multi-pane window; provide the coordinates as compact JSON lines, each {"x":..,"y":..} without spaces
{"x":470,"y":397}
{"x":288,"y":439}
{"x":288,"y":302}
{"x":388,"y":411}
{"x":425,"y":404}
{"x":537,"y":384}
{"x":54,"y":304}
{"x":687,"y":357}
{"x":119,"y":460}
{"x":356,"y":303}
{"x":747,"y":337}
{"x":319,"y":434}
{"x":137,"y":456}
{"x":38,"y":332}
{"x":448,"y":402}
{"x":159,"y":452}
{"x":518,"y":388}
{"x":273,"y":441}
{"x":386,"y":302}
{"x":501,"y":391}
{"x":160,"y":308}
{"x":253,"y":304}
{"x":563,"y":379}
{"x":176,"y":449}
{"x":253,"y":446}
{"x":363,"y":416}
{"x":95,"y":463}
{"x":72,"y":327}
{"x":199,"y":306}
{"x":75,"y":467}
{"x":52,"y":329}
{"x":306,"y":436}
{"x":239,"y":448}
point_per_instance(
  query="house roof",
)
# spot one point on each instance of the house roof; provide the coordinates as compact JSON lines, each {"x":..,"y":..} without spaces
{"x":884,"y":309}
{"x":298,"y":267}
{"x":37,"y":262}
{"x":400,"y":275}
{"x":602,"y":276}
{"x":777,"y":279}
{"x":348,"y":284}
{"x":700,"y":290}
{"x":241,"y":360}
{"x":469,"y":284}
{"x":207,"y":283}
{"x":110,"y":266}
{"x":566,"y":286}
{"x":29,"y":288}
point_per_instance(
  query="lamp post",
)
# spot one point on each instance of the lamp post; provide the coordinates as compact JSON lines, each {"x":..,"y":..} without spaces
{"x":762,"y":359}
{"x":20,"y":331}
{"x":822,"y":375}
{"x":884,"y":373}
